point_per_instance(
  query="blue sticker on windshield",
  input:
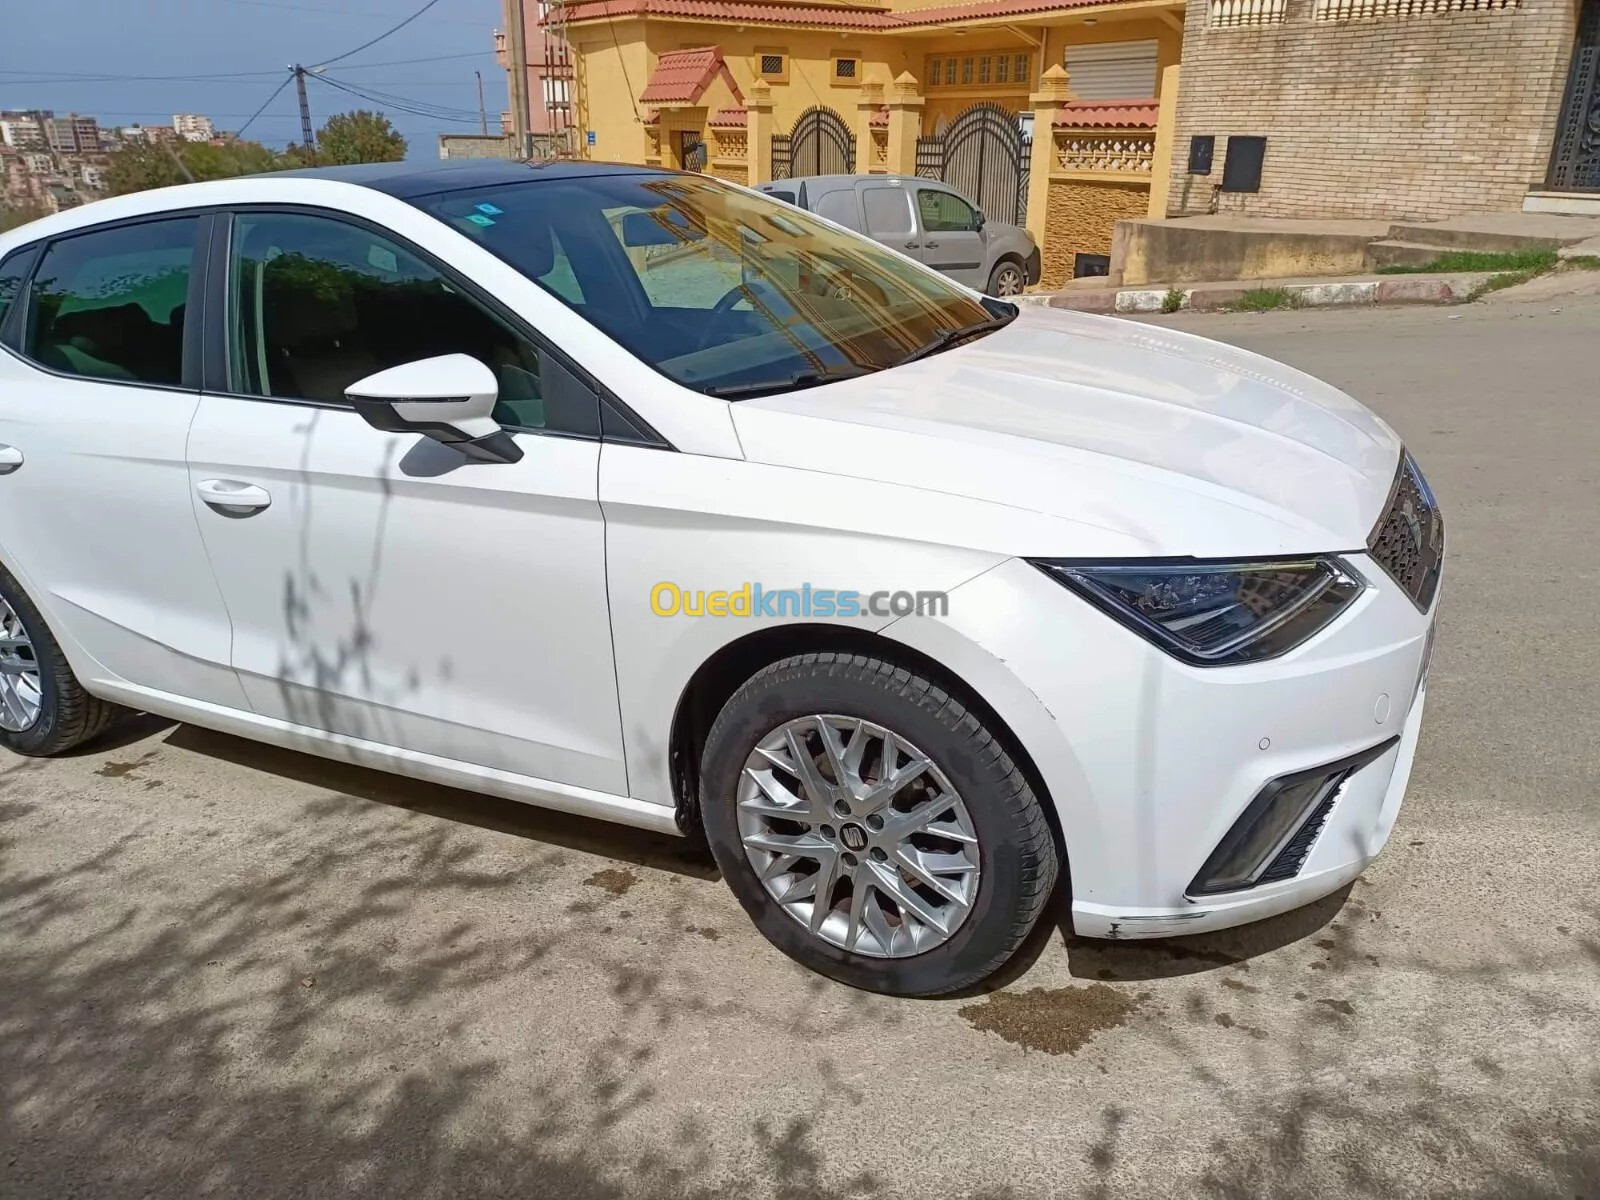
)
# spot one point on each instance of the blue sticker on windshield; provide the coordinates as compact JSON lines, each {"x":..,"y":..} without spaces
{"x":479,"y":219}
{"x":490,"y":210}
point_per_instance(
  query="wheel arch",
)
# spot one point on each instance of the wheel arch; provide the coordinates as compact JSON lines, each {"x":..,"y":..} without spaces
{"x":726,"y":670}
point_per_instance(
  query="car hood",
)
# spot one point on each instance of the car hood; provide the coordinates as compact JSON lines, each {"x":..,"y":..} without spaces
{"x":1140,"y":439}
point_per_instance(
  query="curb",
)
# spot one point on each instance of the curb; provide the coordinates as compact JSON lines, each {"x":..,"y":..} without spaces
{"x":1400,"y":289}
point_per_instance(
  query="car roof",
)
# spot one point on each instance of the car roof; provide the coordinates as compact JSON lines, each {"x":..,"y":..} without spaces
{"x":829,"y":183}
{"x":401,"y":180}
{"x":405,"y":180}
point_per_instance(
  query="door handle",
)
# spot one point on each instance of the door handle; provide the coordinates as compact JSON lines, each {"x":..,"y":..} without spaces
{"x":10,"y":459}
{"x":231,"y":494}
{"x":930,"y":245}
{"x":912,"y":244}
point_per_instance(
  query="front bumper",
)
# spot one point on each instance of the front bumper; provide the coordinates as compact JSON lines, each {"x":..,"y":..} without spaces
{"x":1034,"y":267}
{"x":1150,"y":761}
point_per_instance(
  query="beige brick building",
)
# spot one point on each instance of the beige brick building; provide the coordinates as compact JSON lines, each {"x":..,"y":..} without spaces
{"x":1399,"y":109}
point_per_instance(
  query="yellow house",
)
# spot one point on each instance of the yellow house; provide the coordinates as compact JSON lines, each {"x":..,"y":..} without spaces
{"x":752,"y":90}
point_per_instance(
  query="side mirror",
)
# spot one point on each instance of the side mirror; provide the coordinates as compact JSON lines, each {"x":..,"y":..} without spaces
{"x":449,"y":398}
{"x":978,"y":219}
{"x":658,"y":227}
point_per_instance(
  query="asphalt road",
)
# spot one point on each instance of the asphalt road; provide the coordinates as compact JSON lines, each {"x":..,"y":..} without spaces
{"x":226,"y":969}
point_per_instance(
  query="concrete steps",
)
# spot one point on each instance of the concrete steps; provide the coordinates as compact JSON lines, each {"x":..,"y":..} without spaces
{"x":1464,"y":235}
{"x":1398,"y":253}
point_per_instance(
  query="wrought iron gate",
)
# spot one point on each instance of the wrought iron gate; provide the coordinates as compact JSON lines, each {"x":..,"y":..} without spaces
{"x":819,"y":144}
{"x":984,"y":154}
{"x":1575,"y":162}
{"x":691,"y":150}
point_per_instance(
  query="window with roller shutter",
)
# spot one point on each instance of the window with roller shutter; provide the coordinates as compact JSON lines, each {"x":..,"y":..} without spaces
{"x":1112,"y":71}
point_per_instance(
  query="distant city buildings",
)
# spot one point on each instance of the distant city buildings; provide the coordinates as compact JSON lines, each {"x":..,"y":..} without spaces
{"x":192,"y":127}
{"x":50,"y":162}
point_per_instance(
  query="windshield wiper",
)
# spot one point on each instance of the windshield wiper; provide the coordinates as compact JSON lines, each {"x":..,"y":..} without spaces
{"x":791,"y":383}
{"x":950,"y":337}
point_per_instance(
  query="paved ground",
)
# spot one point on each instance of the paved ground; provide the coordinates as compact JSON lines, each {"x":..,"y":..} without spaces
{"x":227,"y":969}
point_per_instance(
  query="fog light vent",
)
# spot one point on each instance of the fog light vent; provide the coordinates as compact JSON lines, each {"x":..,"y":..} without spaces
{"x":1272,"y":838}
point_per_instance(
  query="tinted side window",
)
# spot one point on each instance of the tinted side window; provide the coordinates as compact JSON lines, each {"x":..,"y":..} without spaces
{"x":945,"y":212}
{"x":317,"y":304}
{"x":839,"y":206}
{"x":110,"y":304}
{"x":888,"y":210}
{"x":12,"y":272}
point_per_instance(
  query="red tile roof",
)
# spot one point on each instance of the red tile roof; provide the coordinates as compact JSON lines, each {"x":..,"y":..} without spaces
{"x":768,"y":12}
{"x":729,"y":10}
{"x":944,"y":14}
{"x":681,"y":75}
{"x":1109,"y":114}
{"x":728,"y":118}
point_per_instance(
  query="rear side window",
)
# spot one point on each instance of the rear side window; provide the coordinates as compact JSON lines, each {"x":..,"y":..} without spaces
{"x":784,"y":194}
{"x":12,"y":272}
{"x":888,"y":210}
{"x":110,"y":304}
{"x":839,"y":206}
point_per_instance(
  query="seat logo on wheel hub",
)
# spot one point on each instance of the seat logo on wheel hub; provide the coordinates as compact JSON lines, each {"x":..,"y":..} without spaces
{"x":854,"y":837}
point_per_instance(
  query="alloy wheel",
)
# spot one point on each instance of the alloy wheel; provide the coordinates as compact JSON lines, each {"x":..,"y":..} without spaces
{"x":1008,"y":282}
{"x":21,"y":695}
{"x":858,"y":836}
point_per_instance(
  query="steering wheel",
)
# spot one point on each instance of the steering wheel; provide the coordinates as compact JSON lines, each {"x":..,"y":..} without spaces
{"x":719,"y":310}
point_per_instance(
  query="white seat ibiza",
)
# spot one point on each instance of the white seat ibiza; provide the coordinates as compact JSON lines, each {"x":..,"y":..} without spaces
{"x":645,"y":497}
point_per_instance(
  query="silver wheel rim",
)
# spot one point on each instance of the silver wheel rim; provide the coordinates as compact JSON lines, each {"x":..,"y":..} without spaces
{"x":20,"y":694}
{"x":1009,"y":283}
{"x":858,"y":836}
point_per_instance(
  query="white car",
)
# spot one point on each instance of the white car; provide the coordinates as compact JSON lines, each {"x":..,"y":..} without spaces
{"x":430,"y":468}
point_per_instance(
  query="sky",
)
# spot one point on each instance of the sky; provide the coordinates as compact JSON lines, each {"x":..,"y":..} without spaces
{"x":61,"y":54}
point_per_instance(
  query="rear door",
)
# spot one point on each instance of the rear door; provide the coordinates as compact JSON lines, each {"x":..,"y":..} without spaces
{"x":951,"y":239}
{"x":889,"y":219}
{"x":384,"y":587}
{"x":98,"y":384}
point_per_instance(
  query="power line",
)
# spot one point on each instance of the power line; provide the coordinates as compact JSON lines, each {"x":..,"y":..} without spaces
{"x":348,"y":53}
{"x":283,"y":84}
{"x":417,"y":108}
{"x":324,"y":10}
{"x":234,"y":77}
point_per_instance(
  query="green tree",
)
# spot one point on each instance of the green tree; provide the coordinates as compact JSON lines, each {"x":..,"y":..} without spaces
{"x":141,"y":165}
{"x":10,"y":218}
{"x":359,"y":137}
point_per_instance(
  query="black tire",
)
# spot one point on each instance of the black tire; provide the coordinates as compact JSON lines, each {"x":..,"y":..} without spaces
{"x":1006,"y":271}
{"x":68,"y":715}
{"x":1017,"y":855}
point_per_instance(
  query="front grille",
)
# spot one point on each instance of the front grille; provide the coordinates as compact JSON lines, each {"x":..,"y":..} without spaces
{"x":1408,"y":542}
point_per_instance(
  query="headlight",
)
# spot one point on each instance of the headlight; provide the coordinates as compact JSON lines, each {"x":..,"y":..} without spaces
{"x":1216,"y":613}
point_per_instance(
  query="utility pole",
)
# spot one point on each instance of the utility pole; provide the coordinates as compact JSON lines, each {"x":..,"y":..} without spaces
{"x":483,"y":115}
{"x":515,"y":16}
{"x":307,"y":137}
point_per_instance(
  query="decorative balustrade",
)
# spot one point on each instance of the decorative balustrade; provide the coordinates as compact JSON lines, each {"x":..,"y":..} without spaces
{"x":1245,"y":14}
{"x":1355,"y":10}
{"x":1118,"y":152}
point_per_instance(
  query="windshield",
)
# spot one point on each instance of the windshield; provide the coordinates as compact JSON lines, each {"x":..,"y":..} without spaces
{"x":723,"y":291}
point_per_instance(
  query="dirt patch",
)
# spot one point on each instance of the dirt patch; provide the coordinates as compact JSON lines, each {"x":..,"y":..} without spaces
{"x":709,"y":934}
{"x":1055,"y":1020}
{"x":1238,"y":985}
{"x":613,"y":880}
{"x":1340,"y":1006}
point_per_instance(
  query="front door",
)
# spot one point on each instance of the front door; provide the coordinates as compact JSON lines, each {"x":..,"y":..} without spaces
{"x":1575,"y":161}
{"x":382,"y":586}
{"x":96,"y":396}
{"x":951,"y":238}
